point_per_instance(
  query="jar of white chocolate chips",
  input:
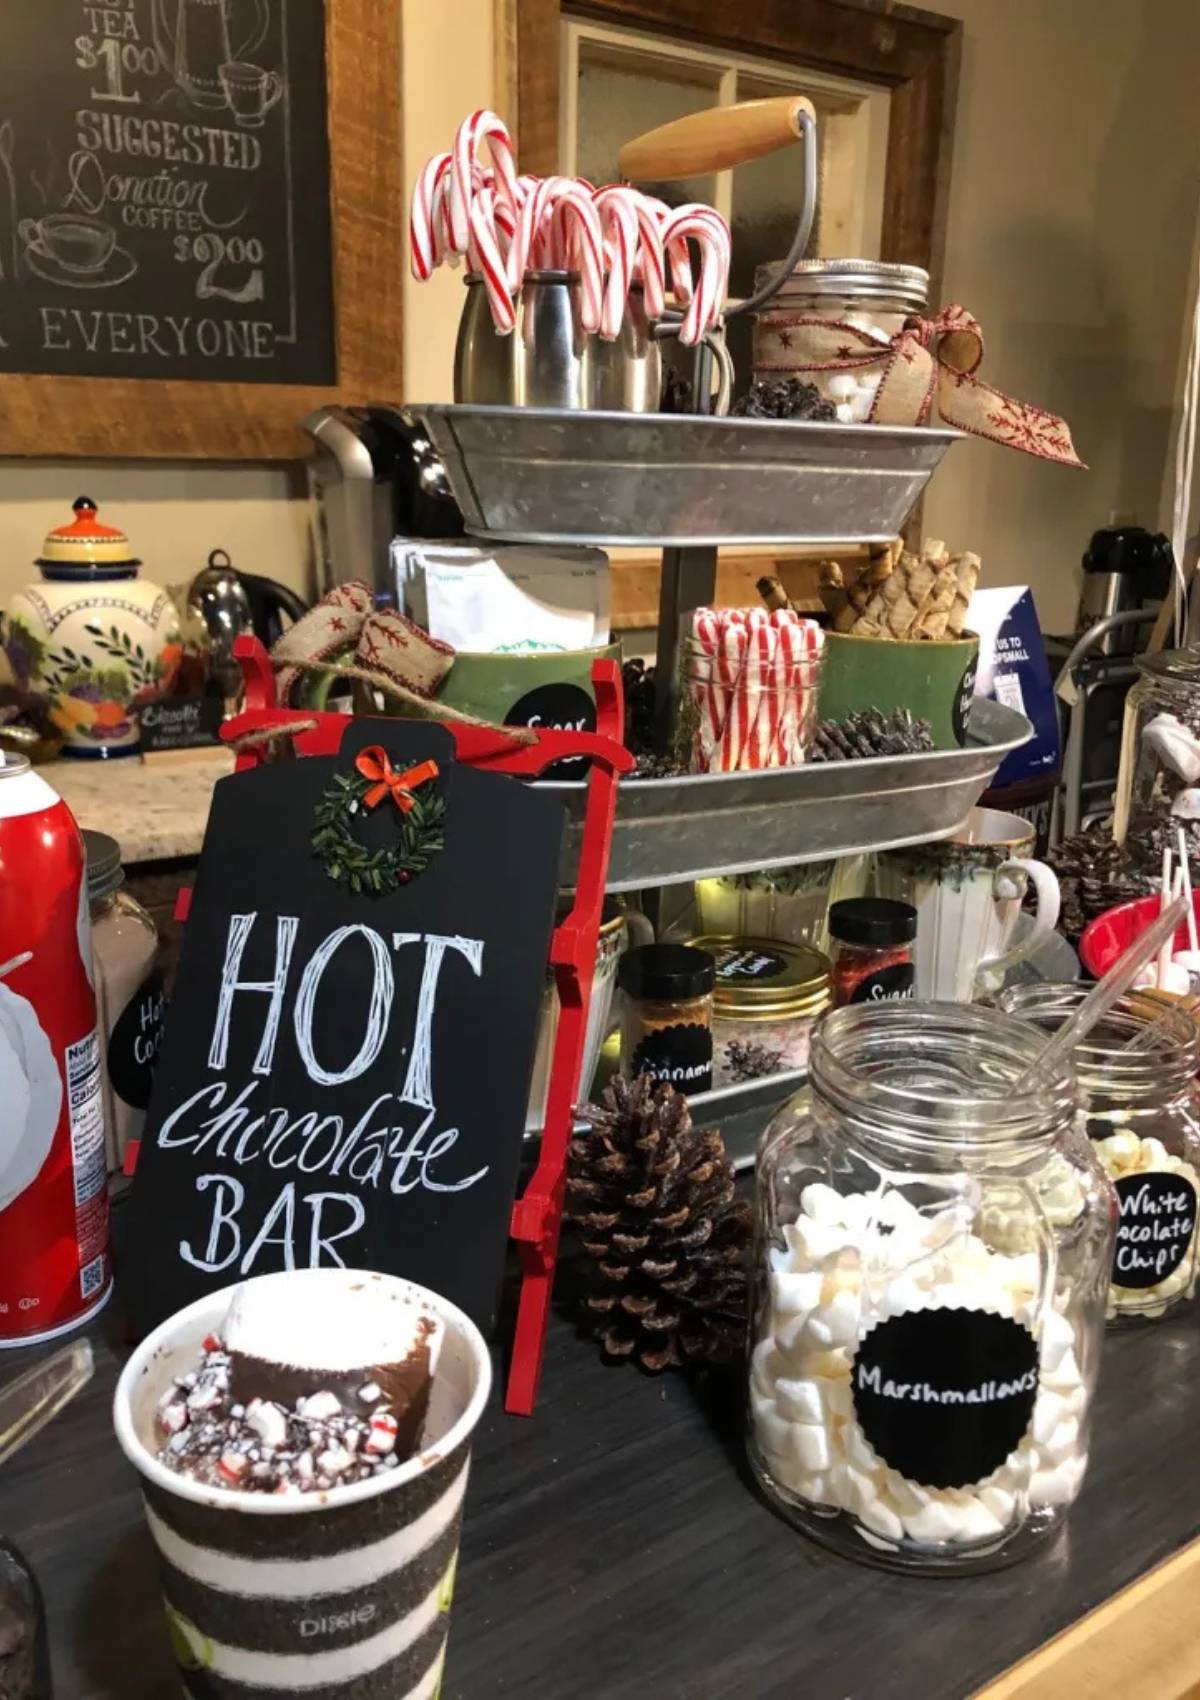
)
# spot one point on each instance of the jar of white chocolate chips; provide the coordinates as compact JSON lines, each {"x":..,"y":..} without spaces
{"x":919,"y":1390}
{"x":1135,"y":1076}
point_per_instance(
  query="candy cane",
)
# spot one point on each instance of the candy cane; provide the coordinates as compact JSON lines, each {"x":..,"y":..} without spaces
{"x":732,"y":657}
{"x":424,"y":236}
{"x":711,"y":235}
{"x":484,"y":256}
{"x":618,"y":215}
{"x":765,"y":660}
{"x":577,"y":226}
{"x":706,"y":634}
{"x":651,"y":258}
{"x":481,"y":126}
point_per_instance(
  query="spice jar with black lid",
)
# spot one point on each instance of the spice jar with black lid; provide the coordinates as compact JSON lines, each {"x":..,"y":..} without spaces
{"x":666,"y":1014}
{"x":871,"y":945}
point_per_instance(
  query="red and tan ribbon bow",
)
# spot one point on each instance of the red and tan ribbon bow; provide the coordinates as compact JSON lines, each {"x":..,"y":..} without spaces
{"x":928,"y":359}
{"x":373,"y":763}
{"x":346,"y":626}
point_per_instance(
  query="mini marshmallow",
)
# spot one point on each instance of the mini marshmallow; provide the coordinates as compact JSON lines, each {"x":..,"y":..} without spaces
{"x":809,"y":1444}
{"x":800,"y":1400}
{"x":940,"y":1520}
{"x":1047,"y":1414}
{"x":840,"y":386}
{"x":1000,"y":1503}
{"x":1053,"y":1487}
{"x":854,"y":1490}
{"x":793,"y":1294}
{"x":319,"y":1407}
{"x":879,"y":1517}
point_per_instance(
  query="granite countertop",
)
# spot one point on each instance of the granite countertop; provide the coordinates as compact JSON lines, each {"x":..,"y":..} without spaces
{"x":155,"y":810}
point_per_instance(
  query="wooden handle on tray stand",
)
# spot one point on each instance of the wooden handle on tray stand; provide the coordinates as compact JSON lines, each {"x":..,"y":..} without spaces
{"x":714,"y":139}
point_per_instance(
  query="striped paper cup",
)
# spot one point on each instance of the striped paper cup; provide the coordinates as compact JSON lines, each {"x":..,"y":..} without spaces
{"x":341,"y":1595}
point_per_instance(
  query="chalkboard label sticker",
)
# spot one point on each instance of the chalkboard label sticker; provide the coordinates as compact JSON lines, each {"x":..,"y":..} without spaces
{"x":135,"y":1041}
{"x":180,"y":723}
{"x":943,"y":1396}
{"x":737,"y":967}
{"x":962,"y":703}
{"x":1156,"y":1228}
{"x":680,"y":1055}
{"x":886,"y":985}
{"x":560,"y":707}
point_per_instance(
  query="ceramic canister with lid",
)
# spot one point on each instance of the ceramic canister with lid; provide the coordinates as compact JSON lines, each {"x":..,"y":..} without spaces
{"x":872,"y":297}
{"x":130,"y":999}
{"x":920,"y":1391}
{"x":93,"y":636}
{"x":766,"y":998}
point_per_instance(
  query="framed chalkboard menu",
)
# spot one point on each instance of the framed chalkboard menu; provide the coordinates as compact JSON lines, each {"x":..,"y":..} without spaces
{"x":199,"y":221}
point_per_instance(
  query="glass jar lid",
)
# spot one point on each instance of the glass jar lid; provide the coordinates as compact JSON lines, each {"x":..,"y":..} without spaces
{"x":104,"y":871}
{"x":876,"y":923}
{"x":1179,"y":666}
{"x":666,"y":972}
{"x":764,"y":977}
{"x":857,"y":280}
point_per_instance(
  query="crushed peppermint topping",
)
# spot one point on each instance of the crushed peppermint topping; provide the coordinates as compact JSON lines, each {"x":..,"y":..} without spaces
{"x":263,"y":1448}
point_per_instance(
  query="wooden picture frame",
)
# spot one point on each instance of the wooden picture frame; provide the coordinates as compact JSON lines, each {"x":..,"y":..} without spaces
{"x":176,"y":419}
{"x":912,"y":52}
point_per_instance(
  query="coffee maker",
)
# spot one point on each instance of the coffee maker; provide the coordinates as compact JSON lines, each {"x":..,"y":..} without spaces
{"x":1125,"y":568}
{"x":374,"y":476}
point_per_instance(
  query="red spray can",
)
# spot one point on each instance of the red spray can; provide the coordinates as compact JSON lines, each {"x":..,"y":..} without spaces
{"x":55,"y":1269}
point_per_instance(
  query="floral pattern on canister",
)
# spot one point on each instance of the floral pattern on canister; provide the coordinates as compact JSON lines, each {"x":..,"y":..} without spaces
{"x":93,"y":636}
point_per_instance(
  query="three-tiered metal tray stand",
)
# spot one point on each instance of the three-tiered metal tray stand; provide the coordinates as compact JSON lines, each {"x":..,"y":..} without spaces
{"x":686,"y":484}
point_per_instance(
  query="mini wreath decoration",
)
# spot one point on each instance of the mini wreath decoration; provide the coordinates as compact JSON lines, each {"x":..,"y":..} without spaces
{"x":349,"y":795}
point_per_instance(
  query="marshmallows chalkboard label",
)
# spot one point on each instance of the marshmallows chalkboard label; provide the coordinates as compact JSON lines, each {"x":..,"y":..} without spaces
{"x":943,"y":1396}
{"x":344,"y":1075}
{"x":1155,"y":1229}
{"x":165,"y":190}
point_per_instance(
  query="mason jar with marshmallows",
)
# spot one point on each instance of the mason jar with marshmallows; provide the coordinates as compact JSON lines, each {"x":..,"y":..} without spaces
{"x":871,"y":296}
{"x":919,"y":1393}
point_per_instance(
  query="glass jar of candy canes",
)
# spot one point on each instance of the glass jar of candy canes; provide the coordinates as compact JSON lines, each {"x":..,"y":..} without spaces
{"x":1137,"y":1089}
{"x":869,"y":298}
{"x":748,"y":689}
{"x":919,"y":1390}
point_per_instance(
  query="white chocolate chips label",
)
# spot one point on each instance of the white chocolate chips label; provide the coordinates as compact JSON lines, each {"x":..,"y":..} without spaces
{"x":1154,"y":1234}
{"x":944,"y":1396}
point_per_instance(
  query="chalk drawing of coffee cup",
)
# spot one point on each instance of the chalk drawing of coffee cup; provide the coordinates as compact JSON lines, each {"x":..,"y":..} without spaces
{"x":75,"y":242}
{"x":250,"y":91}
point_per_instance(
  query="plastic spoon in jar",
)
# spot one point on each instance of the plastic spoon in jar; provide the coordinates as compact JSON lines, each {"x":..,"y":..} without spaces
{"x":1114,"y":985}
{"x":28,"y":1403}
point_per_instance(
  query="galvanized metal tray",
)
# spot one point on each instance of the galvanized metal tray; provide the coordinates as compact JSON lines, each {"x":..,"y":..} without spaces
{"x":544,"y":475}
{"x":672,"y":830}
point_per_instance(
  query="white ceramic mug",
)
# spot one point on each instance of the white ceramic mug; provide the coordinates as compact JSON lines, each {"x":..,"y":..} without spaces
{"x":967,"y":892}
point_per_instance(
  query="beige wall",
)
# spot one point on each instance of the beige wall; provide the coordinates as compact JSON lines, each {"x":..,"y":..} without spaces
{"x":1072,"y":215}
{"x":1072,"y":219}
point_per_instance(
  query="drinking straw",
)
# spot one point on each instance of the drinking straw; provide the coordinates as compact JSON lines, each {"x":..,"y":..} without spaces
{"x":28,"y":1403}
{"x":1164,"y":955}
{"x":1105,"y":993}
{"x":1186,"y":868}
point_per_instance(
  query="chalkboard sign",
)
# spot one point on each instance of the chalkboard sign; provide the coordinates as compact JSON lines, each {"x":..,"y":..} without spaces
{"x":165,"y":190}
{"x":180,"y":723}
{"x":344,"y":1076}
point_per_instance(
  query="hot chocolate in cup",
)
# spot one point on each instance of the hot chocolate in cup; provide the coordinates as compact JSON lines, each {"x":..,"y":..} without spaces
{"x":343,"y":1593}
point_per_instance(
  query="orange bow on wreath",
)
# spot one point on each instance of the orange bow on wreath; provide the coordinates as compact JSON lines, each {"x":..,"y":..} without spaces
{"x":373,"y":763}
{"x":926,"y":359}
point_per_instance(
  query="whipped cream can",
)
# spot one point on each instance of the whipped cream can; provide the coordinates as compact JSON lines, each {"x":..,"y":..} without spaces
{"x":55,"y":1269}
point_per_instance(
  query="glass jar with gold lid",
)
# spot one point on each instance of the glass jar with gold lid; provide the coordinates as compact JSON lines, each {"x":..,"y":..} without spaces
{"x":767,"y":996}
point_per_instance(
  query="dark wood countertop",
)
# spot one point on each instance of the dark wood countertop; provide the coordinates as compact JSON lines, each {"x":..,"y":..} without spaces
{"x":614,"y":1549}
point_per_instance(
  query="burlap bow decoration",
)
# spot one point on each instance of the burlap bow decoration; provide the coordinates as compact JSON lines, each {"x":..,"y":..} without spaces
{"x":926,"y":360}
{"x":346,"y":634}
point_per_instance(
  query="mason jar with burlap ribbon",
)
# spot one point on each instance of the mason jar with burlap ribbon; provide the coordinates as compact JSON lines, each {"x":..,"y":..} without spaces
{"x":860,"y":331}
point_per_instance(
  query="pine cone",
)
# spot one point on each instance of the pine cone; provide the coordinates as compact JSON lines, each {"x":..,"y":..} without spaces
{"x":869,"y":734}
{"x":657,"y":1209}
